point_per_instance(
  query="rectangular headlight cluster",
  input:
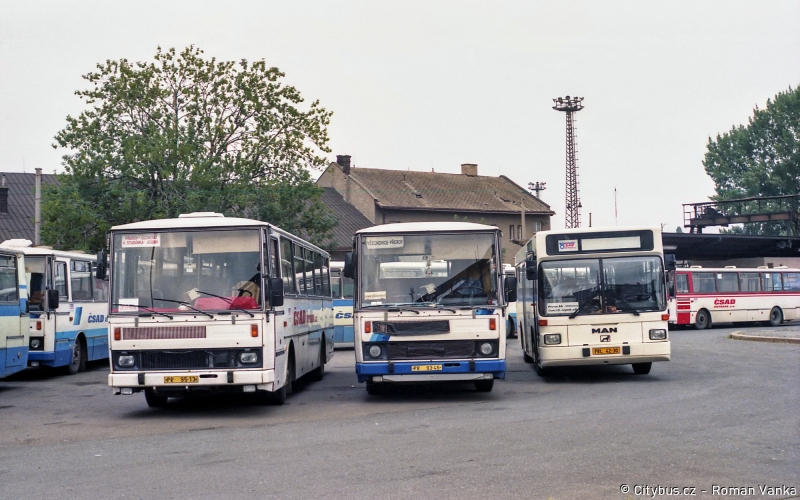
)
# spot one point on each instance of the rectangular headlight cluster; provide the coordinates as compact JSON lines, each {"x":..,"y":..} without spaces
{"x":658,"y":334}
{"x":552,"y":338}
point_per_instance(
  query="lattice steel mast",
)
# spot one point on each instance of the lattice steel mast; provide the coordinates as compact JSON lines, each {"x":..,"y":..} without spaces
{"x":572,"y":216}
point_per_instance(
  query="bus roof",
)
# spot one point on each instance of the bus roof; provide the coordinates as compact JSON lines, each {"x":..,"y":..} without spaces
{"x":193,"y":220}
{"x":426,"y":227}
{"x":26,"y":247}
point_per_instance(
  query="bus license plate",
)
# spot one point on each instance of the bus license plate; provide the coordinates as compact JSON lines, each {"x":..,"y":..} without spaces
{"x":426,"y":368}
{"x":605,"y":350}
{"x":181,"y":380}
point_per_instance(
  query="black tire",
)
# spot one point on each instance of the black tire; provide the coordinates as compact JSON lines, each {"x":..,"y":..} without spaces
{"x":373,"y":388}
{"x":154,"y":400}
{"x":319,"y":372}
{"x":291,"y":374}
{"x":702,"y":320}
{"x":276,"y":398}
{"x":526,"y":357}
{"x":542,"y":372}
{"x":641,"y":368}
{"x":775,"y":316}
{"x":484,"y":385}
{"x":511,"y":332}
{"x":78,"y":362}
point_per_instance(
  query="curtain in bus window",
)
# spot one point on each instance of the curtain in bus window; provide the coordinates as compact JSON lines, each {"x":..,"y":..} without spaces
{"x":287,"y":271}
{"x":8,"y":279}
{"x":60,"y":284}
{"x":703,"y":282}
{"x":81,"y":280}
{"x":791,"y":282}
{"x":749,"y":282}
{"x":727,"y":282}
{"x":681,"y":283}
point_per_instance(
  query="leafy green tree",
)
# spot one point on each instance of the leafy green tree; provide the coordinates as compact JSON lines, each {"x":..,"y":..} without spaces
{"x":760,"y":159}
{"x":182,"y":134}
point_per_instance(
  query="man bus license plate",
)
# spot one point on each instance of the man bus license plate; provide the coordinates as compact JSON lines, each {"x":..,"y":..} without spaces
{"x":426,"y":368}
{"x":182,"y":380}
{"x":605,"y":350}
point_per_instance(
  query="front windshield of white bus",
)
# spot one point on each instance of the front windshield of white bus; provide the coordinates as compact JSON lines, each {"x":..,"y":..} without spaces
{"x":186,"y":271}
{"x":428,"y":270}
{"x":601,"y":286}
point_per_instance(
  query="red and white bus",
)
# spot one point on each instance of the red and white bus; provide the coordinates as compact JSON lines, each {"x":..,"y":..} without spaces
{"x":704,"y":296}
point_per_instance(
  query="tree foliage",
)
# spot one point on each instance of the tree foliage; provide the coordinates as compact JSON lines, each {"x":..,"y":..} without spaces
{"x":760,"y":159}
{"x":184,"y":134}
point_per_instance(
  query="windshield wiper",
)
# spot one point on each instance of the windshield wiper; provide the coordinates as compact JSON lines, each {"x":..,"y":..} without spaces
{"x":401,"y":308}
{"x":142,"y":307}
{"x":226,"y":299}
{"x":626,"y":304}
{"x":580,"y":308}
{"x":185,"y":304}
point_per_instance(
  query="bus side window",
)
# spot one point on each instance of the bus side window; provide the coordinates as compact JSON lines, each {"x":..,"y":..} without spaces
{"x":703,"y":282}
{"x":81,"y":280}
{"x":681,"y":283}
{"x":727,"y":282}
{"x":749,"y":282}
{"x":326,"y":278}
{"x":791,"y":282}
{"x":60,"y":269}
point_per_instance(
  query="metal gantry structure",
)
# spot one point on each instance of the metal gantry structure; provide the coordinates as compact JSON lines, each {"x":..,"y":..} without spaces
{"x":572,"y":216}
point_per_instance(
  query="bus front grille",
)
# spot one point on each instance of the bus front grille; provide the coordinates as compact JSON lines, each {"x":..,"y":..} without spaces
{"x":454,"y":349}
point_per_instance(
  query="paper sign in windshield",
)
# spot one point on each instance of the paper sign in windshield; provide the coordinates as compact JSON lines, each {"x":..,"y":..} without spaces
{"x":375,"y":295}
{"x":384,"y":242}
{"x":128,"y":305}
{"x":562,"y":307}
{"x":141,"y":240}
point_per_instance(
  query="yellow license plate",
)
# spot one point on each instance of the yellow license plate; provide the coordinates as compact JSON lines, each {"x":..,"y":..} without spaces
{"x":426,"y":368}
{"x":182,"y":380}
{"x":605,"y":350}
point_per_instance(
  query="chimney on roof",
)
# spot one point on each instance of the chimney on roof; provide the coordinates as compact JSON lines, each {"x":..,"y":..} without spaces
{"x":344,"y":162}
{"x":3,"y":196}
{"x":470,"y":169}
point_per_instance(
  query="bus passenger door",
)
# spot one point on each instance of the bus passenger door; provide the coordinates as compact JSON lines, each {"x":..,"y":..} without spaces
{"x":14,"y":322}
{"x":60,"y":319}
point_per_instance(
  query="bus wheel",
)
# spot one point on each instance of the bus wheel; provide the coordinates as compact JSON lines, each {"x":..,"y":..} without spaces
{"x":775,"y":316}
{"x":702,"y":320}
{"x":484,"y":385}
{"x":276,"y":398}
{"x":526,"y":357}
{"x":641,"y":368}
{"x":319,"y":371}
{"x":78,"y":362}
{"x":373,"y":388}
{"x":154,"y":400}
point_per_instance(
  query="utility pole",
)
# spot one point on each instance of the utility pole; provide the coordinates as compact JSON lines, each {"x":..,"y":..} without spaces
{"x":572,"y":216}
{"x":537,"y":186}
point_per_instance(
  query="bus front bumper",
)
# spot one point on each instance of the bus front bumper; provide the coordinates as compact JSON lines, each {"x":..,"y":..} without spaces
{"x":577,"y":355}
{"x":235,"y":380}
{"x":447,"y":370}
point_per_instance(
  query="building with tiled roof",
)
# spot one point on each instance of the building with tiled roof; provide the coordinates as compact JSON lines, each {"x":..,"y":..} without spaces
{"x":350,"y":221}
{"x":387,"y":196}
{"x":17,"y":197}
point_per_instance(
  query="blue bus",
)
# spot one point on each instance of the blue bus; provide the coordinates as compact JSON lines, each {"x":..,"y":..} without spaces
{"x":342,"y":288}
{"x":13,"y":317}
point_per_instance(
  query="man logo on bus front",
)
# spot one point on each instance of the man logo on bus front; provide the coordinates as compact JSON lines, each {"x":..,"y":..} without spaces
{"x":605,"y":338}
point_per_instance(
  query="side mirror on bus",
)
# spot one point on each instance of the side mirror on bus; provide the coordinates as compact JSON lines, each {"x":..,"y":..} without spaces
{"x":102,"y":265}
{"x":52,"y":299}
{"x":349,"y":265}
{"x":510,"y":288}
{"x":670,"y":262}
{"x":276,"y":292}
{"x":530,"y":269}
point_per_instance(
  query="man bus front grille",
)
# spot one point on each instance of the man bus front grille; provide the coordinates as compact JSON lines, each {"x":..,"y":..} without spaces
{"x":456,"y":349}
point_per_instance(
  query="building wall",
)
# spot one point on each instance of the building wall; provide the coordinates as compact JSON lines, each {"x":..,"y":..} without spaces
{"x":351,"y":191}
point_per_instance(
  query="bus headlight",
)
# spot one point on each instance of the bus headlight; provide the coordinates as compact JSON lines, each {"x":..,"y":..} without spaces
{"x":374,"y":351}
{"x":552,"y":339}
{"x":486,"y":348}
{"x":36,"y":343}
{"x":659,"y":334}
{"x":248,"y":358}
{"x":126,"y":361}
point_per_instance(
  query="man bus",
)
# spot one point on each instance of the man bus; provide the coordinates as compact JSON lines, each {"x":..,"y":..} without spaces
{"x":593,"y":297}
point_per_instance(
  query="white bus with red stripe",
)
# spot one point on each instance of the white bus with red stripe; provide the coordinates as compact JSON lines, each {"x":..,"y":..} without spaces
{"x":704,"y":296}
{"x":207,"y":303}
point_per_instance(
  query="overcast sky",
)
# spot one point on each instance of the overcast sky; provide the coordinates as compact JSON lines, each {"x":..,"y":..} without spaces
{"x":421,"y":85}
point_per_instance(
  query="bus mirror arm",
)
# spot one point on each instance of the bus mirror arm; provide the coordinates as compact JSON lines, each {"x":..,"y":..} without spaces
{"x":276,"y":292}
{"x":530,"y":268}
